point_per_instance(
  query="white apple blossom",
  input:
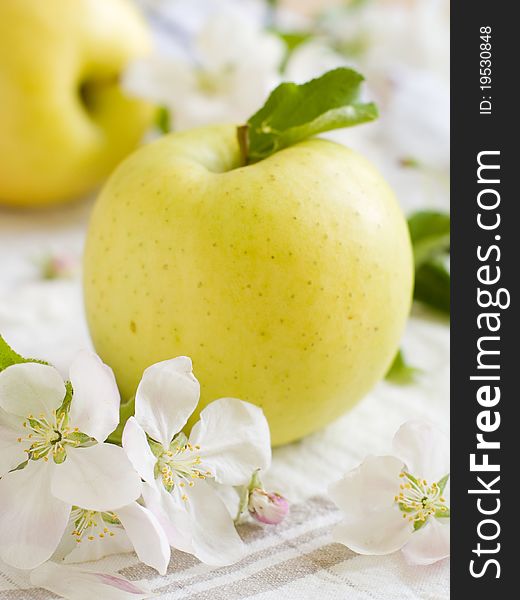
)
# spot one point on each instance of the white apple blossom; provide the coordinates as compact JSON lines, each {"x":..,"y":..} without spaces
{"x":226,"y":77}
{"x":225,"y":447}
{"x":399,"y":502}
{"x":86,"y":582}
{"x":92,"y":535}
{"x":53,"y":455}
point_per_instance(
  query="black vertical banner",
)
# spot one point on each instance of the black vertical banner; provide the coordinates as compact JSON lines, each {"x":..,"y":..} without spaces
{"x":485,"y":325}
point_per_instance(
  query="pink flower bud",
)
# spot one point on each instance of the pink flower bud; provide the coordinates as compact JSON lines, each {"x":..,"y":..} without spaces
{"x":267,"y":507}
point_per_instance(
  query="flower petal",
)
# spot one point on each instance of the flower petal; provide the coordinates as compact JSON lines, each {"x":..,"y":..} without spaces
{"x":214,"y":537}
{"x":234,"y":438}
{"x":85,"y":583}
{"x":138,"y":450}
{"x":32,"y":521}
{"x":424,"y":449}
{"x":166,"y":397}
{"x":95,"y":404}
{"x":385,"y":532}
{"x":171,"y":516}
{"x":97,"y":478}
{"x":11,"y":450}
{"x":88,"y":550}
{"x":147,"y":536}
{"x":31,"y":389}
{"x":369,"y":487}
{"x":373,"y":523}
{"x":429,"y":544}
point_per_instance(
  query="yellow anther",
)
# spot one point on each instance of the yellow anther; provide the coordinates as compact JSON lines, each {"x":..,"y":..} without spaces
{"x":182,"y":484}
{"x":20,"y":440}
{"x":101,"y":535}
{"x":90,"y":537}
{"x":184,"y":497}
{"x":191,"y":483}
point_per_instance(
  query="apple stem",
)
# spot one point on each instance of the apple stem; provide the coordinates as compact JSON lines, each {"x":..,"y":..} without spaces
{"x":243,"y":142}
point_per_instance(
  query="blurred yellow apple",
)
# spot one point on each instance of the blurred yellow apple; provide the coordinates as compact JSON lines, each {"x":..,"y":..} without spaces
{"x":287,"y":281}
{"x":64,"y":121}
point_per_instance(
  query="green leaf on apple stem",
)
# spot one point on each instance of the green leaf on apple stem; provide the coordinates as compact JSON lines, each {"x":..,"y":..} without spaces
{"x":295,"y":112}
{"x":400,"y":372}
{"x":430,"y":235}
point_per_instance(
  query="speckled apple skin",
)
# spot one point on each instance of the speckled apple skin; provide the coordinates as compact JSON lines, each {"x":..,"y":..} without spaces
{"x":288,"y":282}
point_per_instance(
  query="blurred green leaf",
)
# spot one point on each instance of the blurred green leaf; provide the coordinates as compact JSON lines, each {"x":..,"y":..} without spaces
{"x":400,"y":372}
{"x":295,"y":112}
{"x":163,"y":120}
{"x":432,"y":284}
{"x":430,"y":235}
{"x":292,"y":41}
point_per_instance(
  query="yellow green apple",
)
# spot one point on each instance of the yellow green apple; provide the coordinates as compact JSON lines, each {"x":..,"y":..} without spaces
{"x":288,"y":281}
{"x":64,"y":120}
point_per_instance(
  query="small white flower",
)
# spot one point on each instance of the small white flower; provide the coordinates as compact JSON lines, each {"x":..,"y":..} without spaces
{"x":85,"y":583}
{"x":229,"y":442}
{"x":233,"y":67}
{"x":59,"y":440}
{"x":399,"y":502}
{"x":92,"y":535}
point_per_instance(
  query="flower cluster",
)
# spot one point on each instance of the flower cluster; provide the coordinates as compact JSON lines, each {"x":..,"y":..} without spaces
{"x":68,"y":496}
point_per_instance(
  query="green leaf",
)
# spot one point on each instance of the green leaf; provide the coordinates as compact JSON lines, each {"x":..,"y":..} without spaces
{"x":432,"y":284}
{"x":430,"y":236}
{"x":295,"y":112}
{"x":163,"y":120}
{"x":400,"y":372}
{"x":9,"y":357}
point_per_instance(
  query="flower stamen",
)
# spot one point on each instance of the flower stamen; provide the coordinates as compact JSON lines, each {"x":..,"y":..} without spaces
{"x":419,"y":500}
